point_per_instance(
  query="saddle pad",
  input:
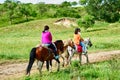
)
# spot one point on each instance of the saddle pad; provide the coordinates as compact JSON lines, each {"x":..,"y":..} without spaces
{"x":79,"y":48}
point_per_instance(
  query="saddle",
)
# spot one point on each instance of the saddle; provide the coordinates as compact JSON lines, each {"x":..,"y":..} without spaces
{"x":49,"y":49}
{"x":45,"y":46}
{"x":78,"y":48}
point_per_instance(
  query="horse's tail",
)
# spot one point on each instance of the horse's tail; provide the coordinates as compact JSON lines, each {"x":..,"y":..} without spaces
{"x":31,"y":60}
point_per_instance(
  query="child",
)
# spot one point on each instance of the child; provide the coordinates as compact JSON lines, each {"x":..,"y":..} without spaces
{"x":78,"y":40}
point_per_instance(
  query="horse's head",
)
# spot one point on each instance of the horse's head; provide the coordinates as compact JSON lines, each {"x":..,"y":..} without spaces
{"x":69,"y":42}
{"x":60,"y":45}
{"x":88,"y":42}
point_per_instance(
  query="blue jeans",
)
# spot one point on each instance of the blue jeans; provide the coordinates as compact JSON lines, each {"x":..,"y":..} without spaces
{"x":83,"y":46}
{"x":51,"y":46}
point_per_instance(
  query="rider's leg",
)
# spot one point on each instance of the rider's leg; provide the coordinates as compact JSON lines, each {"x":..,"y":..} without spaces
{"x":83,"y":47}
{"x":54,"y":50}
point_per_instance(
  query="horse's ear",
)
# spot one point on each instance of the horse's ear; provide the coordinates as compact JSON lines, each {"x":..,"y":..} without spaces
{"x":64,"y":41}
{"x":70,"y":39}
{"x":89,"y":38}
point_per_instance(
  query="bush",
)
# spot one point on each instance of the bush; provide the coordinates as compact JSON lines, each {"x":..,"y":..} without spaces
{"x":86,"y":22}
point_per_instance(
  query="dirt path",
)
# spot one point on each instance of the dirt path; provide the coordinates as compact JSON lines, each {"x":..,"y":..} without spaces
{"x":9,"y":71}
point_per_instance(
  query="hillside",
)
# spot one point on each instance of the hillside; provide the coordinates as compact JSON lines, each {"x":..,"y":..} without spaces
{"x":17,"y":40}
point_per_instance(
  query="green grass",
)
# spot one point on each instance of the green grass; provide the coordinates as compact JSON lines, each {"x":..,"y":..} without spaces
{"x":107,"y":70}
{"x":16,"y":41}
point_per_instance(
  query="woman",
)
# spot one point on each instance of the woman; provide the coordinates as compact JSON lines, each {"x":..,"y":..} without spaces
{"x":47,"y":40}
{"x":78,"y":40}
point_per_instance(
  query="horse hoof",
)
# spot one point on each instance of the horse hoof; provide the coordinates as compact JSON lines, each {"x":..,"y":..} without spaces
{"x":63,"y":65}
{"x":28,"y":75}
{"x":58,"y":70}
{"x":37,"y":68}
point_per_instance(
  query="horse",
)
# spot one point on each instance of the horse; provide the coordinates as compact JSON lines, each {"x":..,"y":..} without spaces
{"x":67,"y":43}
{"x":71,"y":51}
{"x":42,"y":54}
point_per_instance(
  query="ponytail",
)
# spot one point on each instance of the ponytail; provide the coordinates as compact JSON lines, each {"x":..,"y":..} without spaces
{"x":46,"y":27}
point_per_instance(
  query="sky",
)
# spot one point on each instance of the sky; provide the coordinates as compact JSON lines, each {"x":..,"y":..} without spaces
{"x":46,"y":1}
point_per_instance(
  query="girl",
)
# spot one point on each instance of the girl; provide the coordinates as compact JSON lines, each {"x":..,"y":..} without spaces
{"x":78,"y":40}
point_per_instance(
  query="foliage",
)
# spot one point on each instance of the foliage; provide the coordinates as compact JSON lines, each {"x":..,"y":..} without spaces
{"x":9,"y":7}
{"x":107,"y":70}
{"x":107,"y":10}
{"x":74,"y":3}
{"x":86,"y":21}
{"x":16,"y":12}
{"x":26,"y":10}
{"x":67,"y":12}
{"x":65,"y":4}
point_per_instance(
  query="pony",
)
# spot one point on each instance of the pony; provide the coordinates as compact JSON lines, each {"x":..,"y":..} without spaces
{"x":67,"y":43}
{"x":42,"y":54}
{"x":71,"y":51}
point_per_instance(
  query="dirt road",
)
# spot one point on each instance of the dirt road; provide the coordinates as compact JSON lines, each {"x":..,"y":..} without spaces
{"x":10,"y":70}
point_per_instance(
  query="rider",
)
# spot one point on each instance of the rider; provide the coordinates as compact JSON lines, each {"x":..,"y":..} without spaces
{"x":47,"y":40}
{"x":78,"y":40}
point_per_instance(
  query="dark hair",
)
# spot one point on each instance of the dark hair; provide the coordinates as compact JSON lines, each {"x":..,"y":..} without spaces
{"x":46,"y":27}
{"x":77,"y":30}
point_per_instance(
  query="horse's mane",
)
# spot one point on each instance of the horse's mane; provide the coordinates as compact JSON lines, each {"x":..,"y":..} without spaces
{"x":66,"y":42}
{"x":58,"y":41}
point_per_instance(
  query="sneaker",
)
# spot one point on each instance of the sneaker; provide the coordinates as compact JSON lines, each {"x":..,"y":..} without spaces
{"x":57,"y":57}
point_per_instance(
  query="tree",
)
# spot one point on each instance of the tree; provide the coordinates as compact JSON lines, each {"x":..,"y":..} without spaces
{"x":86,"y":21}
{"x":65,"y":4}
{"x":107,"y":10}
{"x":42,"y":9}
{"x":67,"y":12}
{"x":74,"y":3}
{"x":10,"y":6}
{"x":26,"y":10}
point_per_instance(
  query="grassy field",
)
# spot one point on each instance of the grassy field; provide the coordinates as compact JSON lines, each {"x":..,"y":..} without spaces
{"x":108,"y":70}
{"x":16,"y":41}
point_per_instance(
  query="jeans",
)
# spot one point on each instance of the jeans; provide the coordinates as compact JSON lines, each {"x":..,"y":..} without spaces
{"x":53,"y":48}
{"x":83,"y":46}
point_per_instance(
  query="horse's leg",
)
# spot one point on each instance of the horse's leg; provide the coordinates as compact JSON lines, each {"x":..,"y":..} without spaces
{"x":50,"y":65}
{"x":40,"y":65}
{"x":80,"y":57}
{"x":47,"y":65}
{"x":58,"y":64}
{"x":70,"y":56}
{"x":63,"y":60}
{"x":86,"y":55}
{"x":69,"y":59}
{"x":37,"y":64}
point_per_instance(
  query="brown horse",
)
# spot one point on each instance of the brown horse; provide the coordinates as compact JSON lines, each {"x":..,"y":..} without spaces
{"x":44,"y":54}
